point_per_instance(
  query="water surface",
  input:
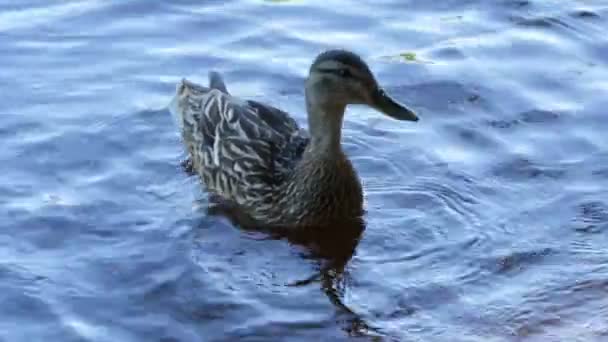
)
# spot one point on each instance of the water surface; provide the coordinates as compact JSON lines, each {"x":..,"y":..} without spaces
{"x":487,"y":220}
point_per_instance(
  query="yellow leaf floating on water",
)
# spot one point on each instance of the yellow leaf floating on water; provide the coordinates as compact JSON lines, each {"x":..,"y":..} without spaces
{"x":408,"y":56}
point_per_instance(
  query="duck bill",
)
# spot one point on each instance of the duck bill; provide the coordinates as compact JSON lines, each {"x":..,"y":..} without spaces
{"x":385,"y":104}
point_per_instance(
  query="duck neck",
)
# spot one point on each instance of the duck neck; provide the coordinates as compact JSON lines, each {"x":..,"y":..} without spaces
{"x":325,"y":125}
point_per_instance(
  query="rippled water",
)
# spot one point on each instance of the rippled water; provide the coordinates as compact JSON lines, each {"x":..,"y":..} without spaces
{"x":487,"y":220}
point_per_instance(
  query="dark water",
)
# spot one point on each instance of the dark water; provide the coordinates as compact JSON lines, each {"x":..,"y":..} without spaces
{"x":487,"y":220}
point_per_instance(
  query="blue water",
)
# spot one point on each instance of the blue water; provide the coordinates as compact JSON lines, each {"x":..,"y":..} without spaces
{"x":487,"y":220}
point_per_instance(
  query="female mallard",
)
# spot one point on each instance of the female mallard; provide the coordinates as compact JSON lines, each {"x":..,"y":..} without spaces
{"x":255,"y":156}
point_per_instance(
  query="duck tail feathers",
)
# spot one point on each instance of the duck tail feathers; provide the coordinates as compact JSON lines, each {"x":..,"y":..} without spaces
{"x":217,"y":82}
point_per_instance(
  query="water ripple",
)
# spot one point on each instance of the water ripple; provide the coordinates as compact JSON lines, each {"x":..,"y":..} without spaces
{"x":487,"y":219}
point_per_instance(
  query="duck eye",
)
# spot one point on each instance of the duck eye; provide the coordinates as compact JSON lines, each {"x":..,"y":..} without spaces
{"x":345,"y":73}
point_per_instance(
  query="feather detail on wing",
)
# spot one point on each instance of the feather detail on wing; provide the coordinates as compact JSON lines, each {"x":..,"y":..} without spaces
{"x":243,"y":150}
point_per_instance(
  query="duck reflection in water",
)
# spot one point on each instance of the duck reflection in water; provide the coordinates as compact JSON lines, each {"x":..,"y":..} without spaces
{"x":331,"y":247}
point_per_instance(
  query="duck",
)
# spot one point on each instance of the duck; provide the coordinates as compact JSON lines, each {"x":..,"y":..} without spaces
{"x":256,"y":157}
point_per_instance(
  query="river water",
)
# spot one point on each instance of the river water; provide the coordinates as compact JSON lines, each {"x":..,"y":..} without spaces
{"x":486,"y":221}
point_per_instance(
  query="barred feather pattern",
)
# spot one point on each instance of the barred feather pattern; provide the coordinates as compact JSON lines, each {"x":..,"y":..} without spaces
{"x":244,"y":151}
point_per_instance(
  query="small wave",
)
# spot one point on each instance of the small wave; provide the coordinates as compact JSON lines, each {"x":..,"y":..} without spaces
{"x":516,"y":261}
{"x":592,"y":217}
{"x":535,"y":116}
{"x":522,"y":169}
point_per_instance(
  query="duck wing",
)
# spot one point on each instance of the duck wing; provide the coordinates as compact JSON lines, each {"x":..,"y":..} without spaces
{"x":242,"y":149}
{"x":293,"y":139}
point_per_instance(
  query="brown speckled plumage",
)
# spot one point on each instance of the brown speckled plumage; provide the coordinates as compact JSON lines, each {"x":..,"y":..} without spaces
{"x":256,"y":156}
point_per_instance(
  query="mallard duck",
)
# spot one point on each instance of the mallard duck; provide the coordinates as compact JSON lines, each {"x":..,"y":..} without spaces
{"x":256,"y":156}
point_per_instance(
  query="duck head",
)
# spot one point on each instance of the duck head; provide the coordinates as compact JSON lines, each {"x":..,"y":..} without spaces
{"x":338,"y":78}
